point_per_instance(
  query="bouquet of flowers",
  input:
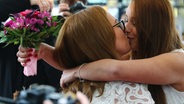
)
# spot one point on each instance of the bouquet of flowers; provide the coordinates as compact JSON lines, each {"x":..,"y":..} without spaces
{"x":29,"y":28}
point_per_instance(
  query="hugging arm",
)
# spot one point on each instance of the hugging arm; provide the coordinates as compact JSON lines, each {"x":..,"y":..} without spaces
{"x":163,"y":69}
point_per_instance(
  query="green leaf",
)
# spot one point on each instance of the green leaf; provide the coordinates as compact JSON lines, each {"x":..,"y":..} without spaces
{"x":21,"y":41}
{"x":15,"y":32}
{"x":16,"y":42}
{"x":2,"y":34}
{"x":28,"y":38}
{"x":24,"y":31}
{"x":3,"y":40}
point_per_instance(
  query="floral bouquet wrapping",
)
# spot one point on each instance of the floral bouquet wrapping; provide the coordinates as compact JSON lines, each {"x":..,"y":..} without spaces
{"x":29,"y":28}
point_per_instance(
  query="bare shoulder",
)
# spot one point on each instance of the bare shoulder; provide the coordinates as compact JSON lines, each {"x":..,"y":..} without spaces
{"x":164,"y":69}
{"x":174,"y":59}
{"x":174,"y":65}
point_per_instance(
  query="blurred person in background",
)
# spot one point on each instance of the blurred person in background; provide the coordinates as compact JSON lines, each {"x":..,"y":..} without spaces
{"x":11,"y":73}
{"x":64,"y":6}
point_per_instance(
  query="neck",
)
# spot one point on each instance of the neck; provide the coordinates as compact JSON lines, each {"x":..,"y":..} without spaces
{"x":126,"y":56}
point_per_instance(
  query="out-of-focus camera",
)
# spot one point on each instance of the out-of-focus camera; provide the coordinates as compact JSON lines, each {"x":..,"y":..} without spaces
{"x":77,"y":7}
{"x":37,"y":94}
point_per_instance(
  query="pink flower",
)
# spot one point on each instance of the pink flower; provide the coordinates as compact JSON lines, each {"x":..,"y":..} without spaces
{"x":30,"y":27}
{"x":26,"y":12}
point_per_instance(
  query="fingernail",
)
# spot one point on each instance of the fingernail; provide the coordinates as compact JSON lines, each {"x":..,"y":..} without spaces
{"x":23,"y":64}
{"x":28,"y":60}
{"x":36,"y":55}
{"x":30,"y":50}
{"x":29,"y":55}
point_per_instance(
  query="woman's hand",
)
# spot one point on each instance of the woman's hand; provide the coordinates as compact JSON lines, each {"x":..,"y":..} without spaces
{"x":44,"y":5}
{"x":67,"y":77}
{"x":64,"y":9}
{"x":24,"y":54}
{"x":82,"y":98}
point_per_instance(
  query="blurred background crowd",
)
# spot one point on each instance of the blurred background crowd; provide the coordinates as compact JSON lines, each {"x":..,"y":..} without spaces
{"x":117,"y":8}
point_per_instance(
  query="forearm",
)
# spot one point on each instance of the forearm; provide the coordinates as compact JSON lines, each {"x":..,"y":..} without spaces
{"x":158,"y":70}
{"x":102,"y":70}
{"x":46,"y":53}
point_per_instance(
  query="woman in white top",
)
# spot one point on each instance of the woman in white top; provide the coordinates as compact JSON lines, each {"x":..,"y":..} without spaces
{"x":156,"y":50}
{"x":91,"y":35}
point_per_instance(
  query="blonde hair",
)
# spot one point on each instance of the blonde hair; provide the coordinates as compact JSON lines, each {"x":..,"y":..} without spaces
{"x":85,"y":37}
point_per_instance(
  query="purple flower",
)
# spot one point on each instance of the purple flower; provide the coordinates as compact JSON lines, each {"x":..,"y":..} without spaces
{"x":20,"y":23}
{"x":33,"y":21}
{"x":54,"y":23}
{"x":48,"y":23}
{"x":34,"y":29}
{"x":40,"y":22}
{"x":30,"y":27}
{"x":9,"y":23}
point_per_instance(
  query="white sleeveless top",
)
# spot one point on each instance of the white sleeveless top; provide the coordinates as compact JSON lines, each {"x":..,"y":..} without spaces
{"x":172,"y":95}
{"x":123,"y":93}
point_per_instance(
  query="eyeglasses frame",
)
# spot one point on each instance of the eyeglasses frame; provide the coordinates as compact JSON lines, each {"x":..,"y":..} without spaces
{"x":122,"y":28}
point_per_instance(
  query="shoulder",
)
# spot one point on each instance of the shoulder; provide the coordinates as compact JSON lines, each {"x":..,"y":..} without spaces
{"x":175,"y":57}
{"x":174,"y":64}
{"x":173,"y":96}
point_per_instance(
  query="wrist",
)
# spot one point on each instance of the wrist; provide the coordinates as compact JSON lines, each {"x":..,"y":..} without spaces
{"x":42,"y":51}
{"x":75,"y":74}
{"x":79,"y":73}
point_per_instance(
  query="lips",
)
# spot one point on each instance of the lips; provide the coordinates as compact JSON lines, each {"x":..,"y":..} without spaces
{"x":130,"y":37}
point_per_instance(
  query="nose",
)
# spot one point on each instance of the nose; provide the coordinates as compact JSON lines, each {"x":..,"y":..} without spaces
{"x":127,"y":29}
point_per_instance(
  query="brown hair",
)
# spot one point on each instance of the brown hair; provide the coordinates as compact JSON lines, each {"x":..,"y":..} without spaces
{"x":85,"y":37}
{"x":156,"y":34}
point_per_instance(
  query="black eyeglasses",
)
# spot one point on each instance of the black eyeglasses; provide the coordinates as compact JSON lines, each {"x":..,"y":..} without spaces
{"x":121,"y":25}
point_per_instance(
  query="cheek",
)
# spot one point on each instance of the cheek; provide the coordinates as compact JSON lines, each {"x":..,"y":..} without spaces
{"x":133,"y":39}
{"x":133,"y":44}
{"x":122,"y":44}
